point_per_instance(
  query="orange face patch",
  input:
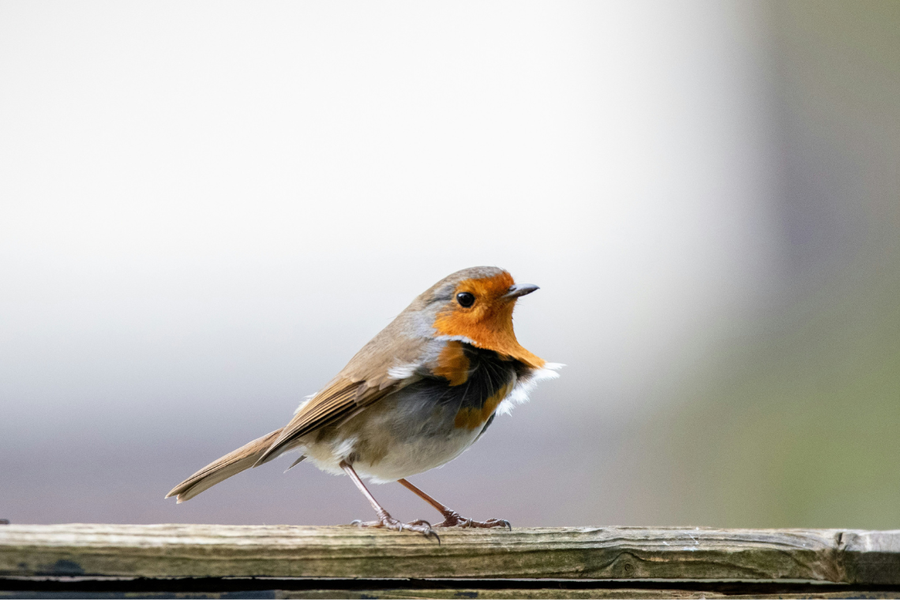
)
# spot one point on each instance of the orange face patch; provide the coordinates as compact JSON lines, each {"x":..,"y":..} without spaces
{"x":453,"y":364}
{"x":488,"y":322}
{"x":472,"y":418}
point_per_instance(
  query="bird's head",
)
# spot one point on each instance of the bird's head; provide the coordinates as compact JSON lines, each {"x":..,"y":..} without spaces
{"x":476,"y":306}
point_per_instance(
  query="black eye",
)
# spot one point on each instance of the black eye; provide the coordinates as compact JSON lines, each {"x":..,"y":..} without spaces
{"x":465,"y":299}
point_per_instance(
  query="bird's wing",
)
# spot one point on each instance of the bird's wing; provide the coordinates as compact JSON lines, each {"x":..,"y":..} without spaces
{"x":352,"y":390}
{"x":338,"y":400}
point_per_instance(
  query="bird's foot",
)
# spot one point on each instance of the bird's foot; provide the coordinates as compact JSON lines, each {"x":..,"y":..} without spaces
{"x":386,"y":521}
{"x":453,"y":519}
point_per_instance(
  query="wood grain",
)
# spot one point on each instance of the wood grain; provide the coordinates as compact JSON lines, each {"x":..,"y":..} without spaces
{"x":210,"y":551}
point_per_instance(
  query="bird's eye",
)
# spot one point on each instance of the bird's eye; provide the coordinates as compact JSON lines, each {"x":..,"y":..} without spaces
{"x":465,"y":299}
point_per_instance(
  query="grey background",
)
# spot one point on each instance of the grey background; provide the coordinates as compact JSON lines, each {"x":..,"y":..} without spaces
{"x":207,"y":208}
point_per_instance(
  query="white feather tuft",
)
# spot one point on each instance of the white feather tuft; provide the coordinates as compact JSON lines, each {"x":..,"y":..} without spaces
{"x":401,"y":372}
{"x":304,"y":403}
{"x":345,"y":448}
{"x":519,"y":394}
{"x":456,"y":338}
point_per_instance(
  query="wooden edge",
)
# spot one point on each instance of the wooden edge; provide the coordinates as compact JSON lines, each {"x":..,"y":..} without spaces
{"x":426,"y":588}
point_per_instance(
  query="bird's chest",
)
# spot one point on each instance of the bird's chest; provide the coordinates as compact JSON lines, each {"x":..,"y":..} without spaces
{"x":468,"y":384}
{"x":442,"y":407}
{"x":431,"y":421}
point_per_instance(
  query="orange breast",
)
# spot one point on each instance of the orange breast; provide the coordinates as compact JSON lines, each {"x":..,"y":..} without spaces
{"x":473,"y":418}
{"x":452,"y":364}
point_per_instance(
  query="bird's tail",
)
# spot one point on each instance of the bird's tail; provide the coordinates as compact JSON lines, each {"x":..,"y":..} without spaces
{"x":223,"y":468}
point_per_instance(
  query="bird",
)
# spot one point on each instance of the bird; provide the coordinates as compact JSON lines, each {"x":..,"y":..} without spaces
{"x":416,"y":396}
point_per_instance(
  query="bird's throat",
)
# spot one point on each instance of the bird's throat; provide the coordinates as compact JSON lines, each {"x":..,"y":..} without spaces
{"x":493,"y":331}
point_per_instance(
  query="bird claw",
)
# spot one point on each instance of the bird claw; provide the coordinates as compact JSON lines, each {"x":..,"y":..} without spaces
{"x":453,"y":519}
{"x":389,"y":522}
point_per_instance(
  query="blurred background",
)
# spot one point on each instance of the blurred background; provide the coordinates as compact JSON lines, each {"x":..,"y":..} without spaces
{"x":206,"y":209}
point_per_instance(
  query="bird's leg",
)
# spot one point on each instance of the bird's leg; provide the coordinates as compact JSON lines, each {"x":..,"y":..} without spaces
{"x":385,"y":519}
{"x":451,"y":517}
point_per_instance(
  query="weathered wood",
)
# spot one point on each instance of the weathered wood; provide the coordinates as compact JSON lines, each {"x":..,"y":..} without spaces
{"x":543,"y":593}
{"x":681,"y":555}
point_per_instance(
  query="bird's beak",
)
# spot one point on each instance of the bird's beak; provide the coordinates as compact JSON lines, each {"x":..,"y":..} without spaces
{"x":519,"y":289}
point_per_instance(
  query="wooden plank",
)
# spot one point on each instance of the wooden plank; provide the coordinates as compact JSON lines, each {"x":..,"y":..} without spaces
{"x":165,"y":551}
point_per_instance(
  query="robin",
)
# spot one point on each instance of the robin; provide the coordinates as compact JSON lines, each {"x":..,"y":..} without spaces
{"x":415,"y":397}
